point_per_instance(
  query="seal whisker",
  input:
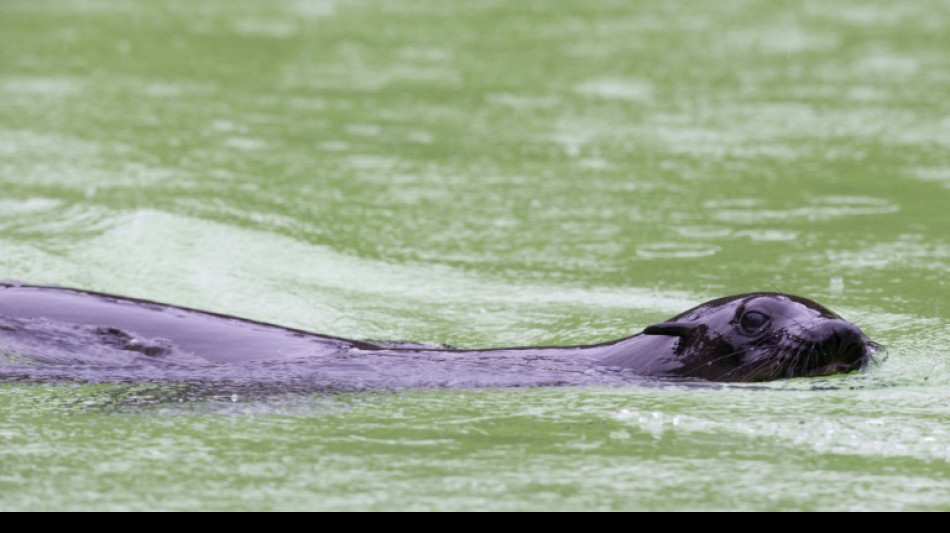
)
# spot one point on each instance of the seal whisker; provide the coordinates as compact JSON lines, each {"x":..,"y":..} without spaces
{"x":789,"y":366}
{"x":788,"y":369}
{"x":817,"y":355}
{"x":740,"y":351}
{"x":802,"y":356}
{"x":813,"y":358}
{"x":751,"y":364}
{"x":772,"y":375}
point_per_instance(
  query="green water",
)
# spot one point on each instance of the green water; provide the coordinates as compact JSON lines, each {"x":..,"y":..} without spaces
{"x":483,"y":173}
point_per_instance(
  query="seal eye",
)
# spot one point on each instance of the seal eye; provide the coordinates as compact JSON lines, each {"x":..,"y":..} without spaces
{"x":754,"y":322}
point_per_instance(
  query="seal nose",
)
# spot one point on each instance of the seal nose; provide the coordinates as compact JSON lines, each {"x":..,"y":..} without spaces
{"x":844,"y":342}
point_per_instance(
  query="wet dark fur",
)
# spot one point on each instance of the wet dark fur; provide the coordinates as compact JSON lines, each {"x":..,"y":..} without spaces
{"x":57,"y":333}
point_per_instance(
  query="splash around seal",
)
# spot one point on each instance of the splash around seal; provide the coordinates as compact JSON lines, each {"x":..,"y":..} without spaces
{"x":50,"y":333}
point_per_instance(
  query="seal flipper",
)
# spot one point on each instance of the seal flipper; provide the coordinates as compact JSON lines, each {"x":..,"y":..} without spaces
{"x":671,"y":329}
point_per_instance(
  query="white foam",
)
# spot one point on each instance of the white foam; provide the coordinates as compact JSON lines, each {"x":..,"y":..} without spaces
{"x":314,"y":9}
{"x":618,"y":89}
{"x":245,"y":143}
{"x":819,"y":208}
{"x":934,"y":174}
{"x":57,"y":87}
{"x":274,"y":29}
{"x":676,"y":250}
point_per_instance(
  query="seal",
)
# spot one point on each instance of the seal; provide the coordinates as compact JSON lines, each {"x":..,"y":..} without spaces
{"x":744,"y":338}
{"x":749,"y":337}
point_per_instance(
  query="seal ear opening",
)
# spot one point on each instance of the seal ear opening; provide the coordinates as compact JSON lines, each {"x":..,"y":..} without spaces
{"x":671,"y":329}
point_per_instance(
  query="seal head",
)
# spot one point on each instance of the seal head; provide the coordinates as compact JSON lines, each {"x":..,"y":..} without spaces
{"x":752,"y":337}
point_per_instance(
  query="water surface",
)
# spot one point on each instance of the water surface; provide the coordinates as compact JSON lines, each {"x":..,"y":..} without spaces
{"x":483,"y":173}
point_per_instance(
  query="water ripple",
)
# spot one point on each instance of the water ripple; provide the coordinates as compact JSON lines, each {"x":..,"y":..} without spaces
{"x":676,"y":250}
{"x":817,"y":209}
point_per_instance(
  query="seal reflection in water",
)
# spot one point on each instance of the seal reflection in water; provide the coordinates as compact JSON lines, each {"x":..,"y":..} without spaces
{"x":744,"y":338}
